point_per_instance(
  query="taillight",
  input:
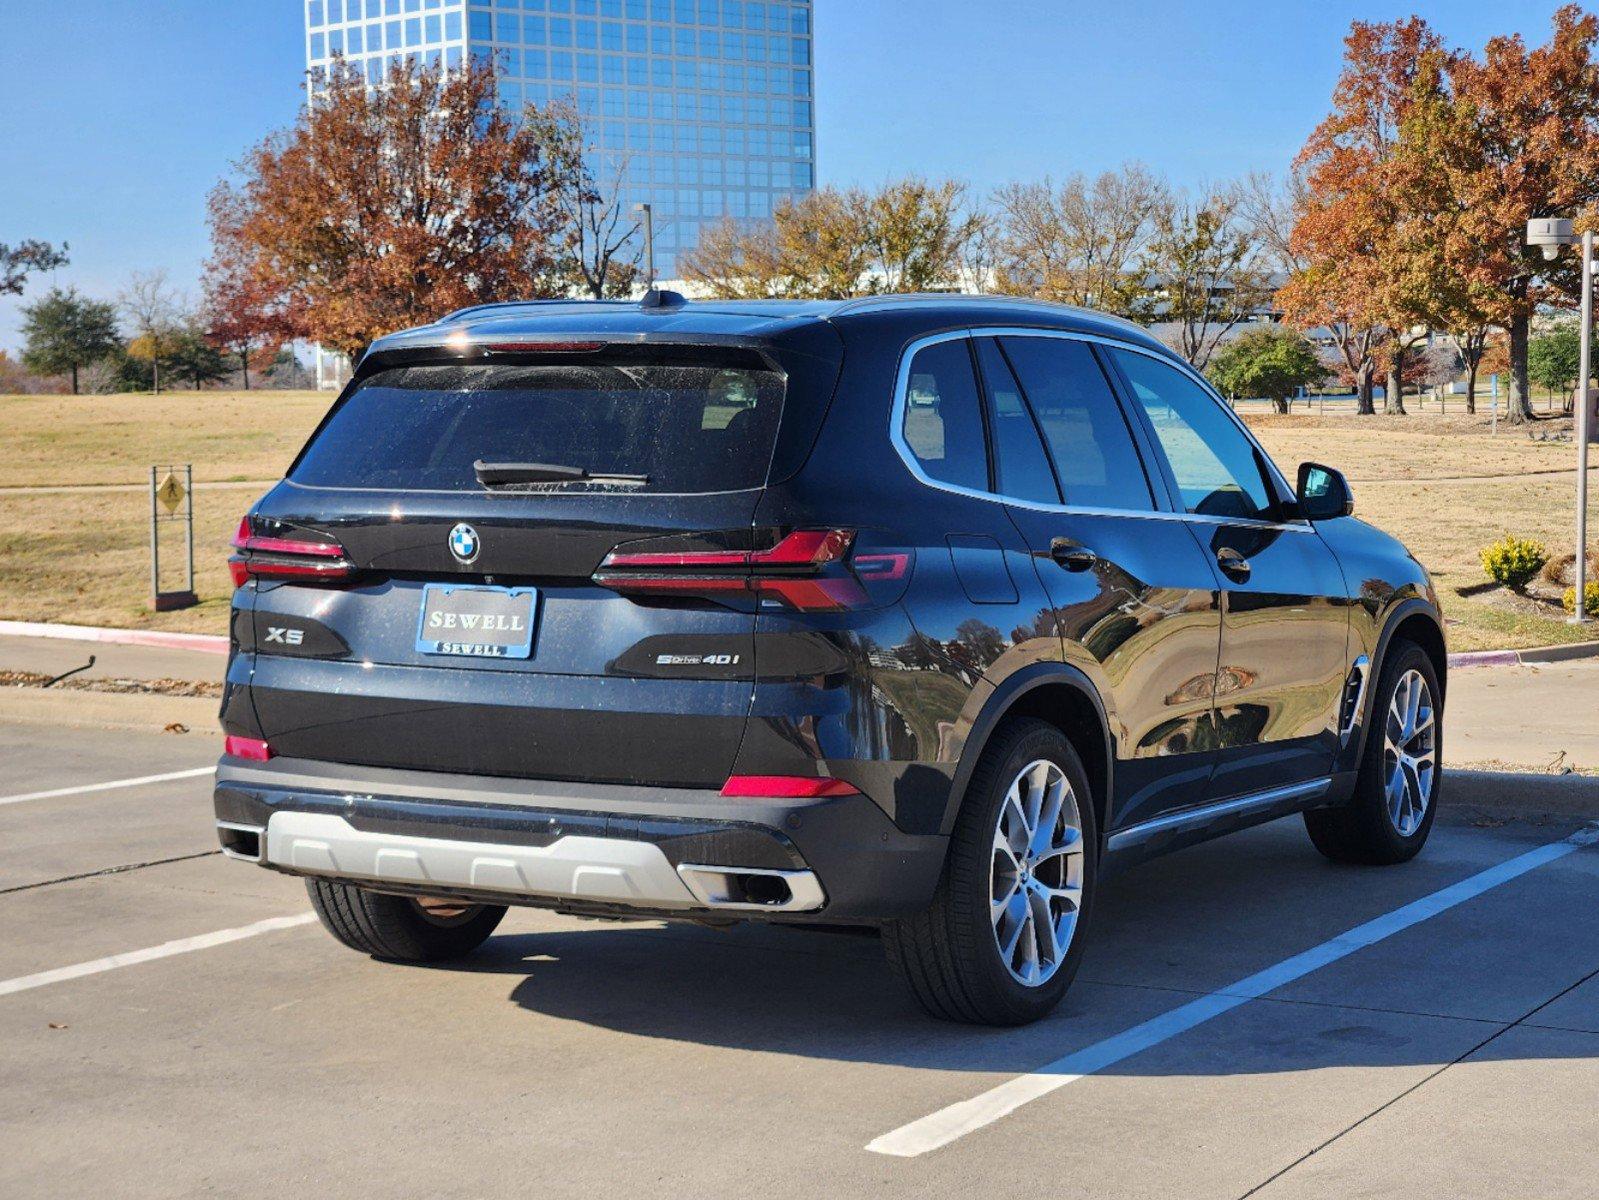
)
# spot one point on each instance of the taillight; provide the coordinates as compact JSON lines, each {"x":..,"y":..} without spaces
{"x":254,"y":749}
{"x":294,"y":556}
{"x":786,"y":786}
{"x":805,"y":570}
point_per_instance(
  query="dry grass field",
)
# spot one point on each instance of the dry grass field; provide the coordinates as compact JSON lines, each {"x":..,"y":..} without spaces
{"x":114,"y":439}
{"x":1443,"y":484}
{"x":1447,"y":487}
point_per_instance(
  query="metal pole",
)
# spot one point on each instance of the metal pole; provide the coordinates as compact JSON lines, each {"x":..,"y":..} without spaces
{"x":1582,"y":413}
{"x":649,"y":242}
{"x":155,"y":545}
{"x":188,"y":482}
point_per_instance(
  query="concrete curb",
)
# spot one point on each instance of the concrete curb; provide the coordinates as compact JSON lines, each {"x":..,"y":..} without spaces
{"x":110,"y":710}
{"x":204,"y":642}
{"x":1519,"y":794}
{"x":1514,"y":658}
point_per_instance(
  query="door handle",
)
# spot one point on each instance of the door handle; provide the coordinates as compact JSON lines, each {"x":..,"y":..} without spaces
{"x":1233,"y":564}
{"x":1072,"y":556}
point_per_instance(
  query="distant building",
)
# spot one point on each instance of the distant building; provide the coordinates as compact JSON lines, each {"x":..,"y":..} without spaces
{"x":701,"y":108}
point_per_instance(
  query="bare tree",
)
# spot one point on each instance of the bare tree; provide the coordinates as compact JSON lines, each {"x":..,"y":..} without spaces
{"x":604,"y":248}
{"x":1206,"y":271}
{"x":979,"y":258}
{"x":1081,"y":242}
{"x":151,"y":308}
{"x":1270,"y":207}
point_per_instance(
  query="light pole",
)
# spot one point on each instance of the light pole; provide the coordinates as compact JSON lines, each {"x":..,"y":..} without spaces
{"x":1549,"y":234}
{"x":649,"y":242}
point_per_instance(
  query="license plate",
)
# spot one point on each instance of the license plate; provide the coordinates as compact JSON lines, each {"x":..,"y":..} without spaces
{"x":477,"y":622}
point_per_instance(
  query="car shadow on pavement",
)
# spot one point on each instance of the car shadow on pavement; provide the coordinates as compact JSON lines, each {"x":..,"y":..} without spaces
{"x":1165,"y":933}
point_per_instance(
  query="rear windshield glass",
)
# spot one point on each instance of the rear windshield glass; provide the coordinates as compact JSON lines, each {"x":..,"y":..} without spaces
{"x":683,"y":428}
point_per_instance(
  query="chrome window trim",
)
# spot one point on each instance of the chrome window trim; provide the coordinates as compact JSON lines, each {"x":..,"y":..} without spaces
{"x":913,"y":465}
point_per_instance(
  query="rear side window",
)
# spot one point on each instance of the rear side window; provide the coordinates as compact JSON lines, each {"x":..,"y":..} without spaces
{"x":1021,"y":470}
{"x":1095,"y":458}
{"x":685,"y":428}
{"x":943,"y":424}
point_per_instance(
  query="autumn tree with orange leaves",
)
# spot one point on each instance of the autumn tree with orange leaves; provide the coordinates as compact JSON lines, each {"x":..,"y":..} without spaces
{"x":1521,"y":141}
{"x":1419,"y":185}
{"x":386,"y":207}
{"x":1355,"y":232}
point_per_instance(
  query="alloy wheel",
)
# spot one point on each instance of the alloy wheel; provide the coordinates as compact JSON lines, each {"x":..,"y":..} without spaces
{"x":1409,"y":754}
{"x":1036,"y":881}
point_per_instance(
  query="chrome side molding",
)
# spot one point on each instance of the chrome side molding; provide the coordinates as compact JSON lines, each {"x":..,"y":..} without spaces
{"x":1226,"y":814}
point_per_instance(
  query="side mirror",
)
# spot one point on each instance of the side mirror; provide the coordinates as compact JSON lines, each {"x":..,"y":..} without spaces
{"x":1323,"y":493}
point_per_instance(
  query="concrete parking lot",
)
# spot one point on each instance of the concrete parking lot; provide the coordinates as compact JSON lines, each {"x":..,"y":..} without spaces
{"x":174,"y":1024}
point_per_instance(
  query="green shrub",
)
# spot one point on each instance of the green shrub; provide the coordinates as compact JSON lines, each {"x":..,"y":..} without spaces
{"x":1514,"y":561}
{"x":1591,"y":601}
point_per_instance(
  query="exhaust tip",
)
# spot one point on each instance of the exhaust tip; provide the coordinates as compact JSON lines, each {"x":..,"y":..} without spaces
{"x":247,"y":843}
{"x":750,"y":889}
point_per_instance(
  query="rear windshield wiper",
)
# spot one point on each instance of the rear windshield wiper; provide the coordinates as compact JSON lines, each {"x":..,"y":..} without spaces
{"x":499,"y":474}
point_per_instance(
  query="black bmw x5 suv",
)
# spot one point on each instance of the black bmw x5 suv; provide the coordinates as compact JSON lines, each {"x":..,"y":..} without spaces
{"x":915,"y":613}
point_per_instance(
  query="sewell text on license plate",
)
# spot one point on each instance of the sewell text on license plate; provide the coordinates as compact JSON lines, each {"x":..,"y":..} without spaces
{"x":477,"y":622}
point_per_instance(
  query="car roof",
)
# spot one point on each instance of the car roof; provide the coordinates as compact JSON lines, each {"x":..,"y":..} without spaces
{"x":669,"y":316}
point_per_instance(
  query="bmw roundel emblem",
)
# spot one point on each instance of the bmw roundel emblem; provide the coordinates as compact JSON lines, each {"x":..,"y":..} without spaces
{"x":464,"y":543}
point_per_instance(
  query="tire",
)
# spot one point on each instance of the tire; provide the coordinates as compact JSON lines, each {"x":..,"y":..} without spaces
{"x":399,"y":928}
{"x":950,"y":955}
{"x":1374,"y":828}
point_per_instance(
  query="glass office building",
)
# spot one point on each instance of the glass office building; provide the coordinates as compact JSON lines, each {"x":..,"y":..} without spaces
{"x":702,"y":108}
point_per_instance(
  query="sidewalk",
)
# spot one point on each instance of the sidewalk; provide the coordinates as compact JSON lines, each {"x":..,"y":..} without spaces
{"x":54,"y":656}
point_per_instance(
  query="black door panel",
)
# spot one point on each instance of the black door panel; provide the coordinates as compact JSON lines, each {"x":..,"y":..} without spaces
{"x":1142,"y":622}
{"x":1283,"y":657}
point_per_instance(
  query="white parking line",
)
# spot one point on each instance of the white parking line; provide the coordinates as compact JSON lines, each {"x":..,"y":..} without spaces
{"x":948,"y":1124}
{"x":111,"y":962}
{"x":106,"y":787}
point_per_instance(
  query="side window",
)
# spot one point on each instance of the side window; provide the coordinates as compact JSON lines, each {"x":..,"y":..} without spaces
{"x":1087,"y":435}
{"x":1217,"y":469}
{"x":1021,"y":469}
{"x":943,"y":423}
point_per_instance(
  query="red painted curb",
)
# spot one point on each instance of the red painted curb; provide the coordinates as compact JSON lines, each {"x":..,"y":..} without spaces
{"x":205,"y":643}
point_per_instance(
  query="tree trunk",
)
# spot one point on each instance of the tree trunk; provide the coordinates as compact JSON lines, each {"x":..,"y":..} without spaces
{"x":1363,"y":389}
{"x":74,"y":379}
{"x":1519,"y":409}
{"x":1281,"y":403}
{"x":1393,"y":401}
{"x":155,"y":377}
{"x":1471,"y":389}
{"x":244,"y":364}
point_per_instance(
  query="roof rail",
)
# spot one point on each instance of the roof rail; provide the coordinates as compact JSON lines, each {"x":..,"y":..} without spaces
{"x":908,"y":299}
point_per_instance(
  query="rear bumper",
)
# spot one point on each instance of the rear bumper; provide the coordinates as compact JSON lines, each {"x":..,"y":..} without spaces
{"x":596,"y":848}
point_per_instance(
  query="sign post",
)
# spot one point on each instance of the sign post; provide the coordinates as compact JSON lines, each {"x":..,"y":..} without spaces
{"x":168,"y":495}
{"x":1583,"y":411}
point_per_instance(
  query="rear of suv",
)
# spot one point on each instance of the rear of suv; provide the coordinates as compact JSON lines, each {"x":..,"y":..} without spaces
{"x":911,"y":614}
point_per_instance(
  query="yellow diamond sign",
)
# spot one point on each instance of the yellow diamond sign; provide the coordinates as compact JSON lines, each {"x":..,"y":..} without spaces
{"x":170,"y":492}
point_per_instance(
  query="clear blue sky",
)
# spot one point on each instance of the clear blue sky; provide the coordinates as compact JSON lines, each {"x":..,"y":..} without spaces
{"x":117,"y":116}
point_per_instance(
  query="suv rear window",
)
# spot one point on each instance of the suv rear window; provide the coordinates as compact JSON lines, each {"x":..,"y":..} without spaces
{"x":686,"y":427}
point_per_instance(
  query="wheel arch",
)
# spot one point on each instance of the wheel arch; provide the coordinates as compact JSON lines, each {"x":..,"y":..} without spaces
{"x":1415,"y":621}
{"x":1062,"y":696}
